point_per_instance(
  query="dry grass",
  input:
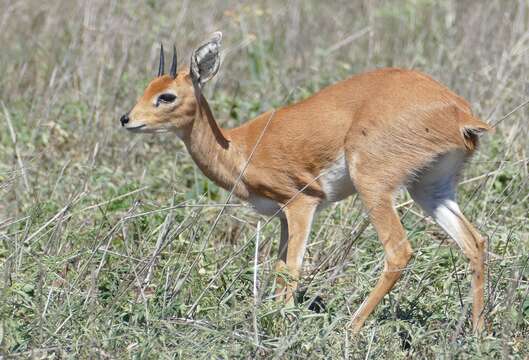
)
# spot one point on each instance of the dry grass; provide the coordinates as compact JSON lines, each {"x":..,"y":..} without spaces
{"x":104,"y":249}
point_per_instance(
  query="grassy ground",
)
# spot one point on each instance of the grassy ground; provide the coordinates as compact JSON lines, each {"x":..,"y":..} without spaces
{"x":107,"y":244}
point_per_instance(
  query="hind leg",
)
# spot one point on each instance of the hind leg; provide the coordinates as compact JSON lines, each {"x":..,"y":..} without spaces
{"x":397,"y":249}
{"x":434,"y":191}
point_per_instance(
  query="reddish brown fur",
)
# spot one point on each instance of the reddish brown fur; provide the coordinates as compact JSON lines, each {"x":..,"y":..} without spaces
{"x":398,"y":120}
{"x":388,"y":123}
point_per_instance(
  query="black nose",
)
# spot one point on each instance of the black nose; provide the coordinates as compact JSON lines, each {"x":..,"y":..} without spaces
{"x":124,"y":119}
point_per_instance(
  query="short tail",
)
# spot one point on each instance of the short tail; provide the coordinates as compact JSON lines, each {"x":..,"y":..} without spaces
{"x":471,"y":128}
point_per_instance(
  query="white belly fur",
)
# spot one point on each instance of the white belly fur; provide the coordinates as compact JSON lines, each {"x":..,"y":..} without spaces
{"x":336,"y":181}
{"x":265,"y":206}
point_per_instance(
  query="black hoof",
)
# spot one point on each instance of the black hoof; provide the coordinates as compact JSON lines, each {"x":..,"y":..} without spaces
{"x":317,"y":305}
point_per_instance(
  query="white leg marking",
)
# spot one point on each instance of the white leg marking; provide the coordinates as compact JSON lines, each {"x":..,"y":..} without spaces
{"x":446,"y":215}
{"x":434,"y":191}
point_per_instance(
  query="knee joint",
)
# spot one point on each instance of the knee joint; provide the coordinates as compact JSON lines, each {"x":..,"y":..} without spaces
{"x":398,"y":257}
{"x":481,"y":242}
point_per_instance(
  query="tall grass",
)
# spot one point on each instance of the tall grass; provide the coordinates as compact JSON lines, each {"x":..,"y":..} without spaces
{"x":104,"y":249}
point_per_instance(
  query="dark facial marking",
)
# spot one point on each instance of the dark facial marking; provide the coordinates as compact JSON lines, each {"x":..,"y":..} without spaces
{"x":166,"y":98}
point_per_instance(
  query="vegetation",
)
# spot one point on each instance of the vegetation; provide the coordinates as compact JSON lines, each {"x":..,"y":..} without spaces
{"x":116,"y":246}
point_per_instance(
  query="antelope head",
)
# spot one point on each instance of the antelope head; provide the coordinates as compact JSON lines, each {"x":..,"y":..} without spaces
{"x":170,"y":101}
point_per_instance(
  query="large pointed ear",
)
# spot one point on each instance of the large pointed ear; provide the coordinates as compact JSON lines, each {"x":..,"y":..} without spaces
{"x":205,"y":60}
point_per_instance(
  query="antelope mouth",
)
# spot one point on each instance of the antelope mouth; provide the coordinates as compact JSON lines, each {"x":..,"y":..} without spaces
{"x":135,"y":128}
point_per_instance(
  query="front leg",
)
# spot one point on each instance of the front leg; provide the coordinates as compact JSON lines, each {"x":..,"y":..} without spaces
{"x":295,"y":231}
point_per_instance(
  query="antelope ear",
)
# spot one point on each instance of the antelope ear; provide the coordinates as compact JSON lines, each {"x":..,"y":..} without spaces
{"x":205,"y":61}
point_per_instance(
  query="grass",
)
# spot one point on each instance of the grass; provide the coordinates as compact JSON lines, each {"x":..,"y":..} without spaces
{"x":105,"y":248}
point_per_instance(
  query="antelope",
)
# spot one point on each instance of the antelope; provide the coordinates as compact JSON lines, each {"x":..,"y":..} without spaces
{"x":371,"y":134}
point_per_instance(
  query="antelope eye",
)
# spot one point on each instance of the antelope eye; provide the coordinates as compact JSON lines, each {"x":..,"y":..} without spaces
{"x":166,"y":98}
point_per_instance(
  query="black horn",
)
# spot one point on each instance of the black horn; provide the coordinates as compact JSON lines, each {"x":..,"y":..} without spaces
{"x":162,"y":65}
{"x":173,"y":64}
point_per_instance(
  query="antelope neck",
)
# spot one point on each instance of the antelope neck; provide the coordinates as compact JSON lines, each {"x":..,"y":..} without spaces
{"x":217,"y":157}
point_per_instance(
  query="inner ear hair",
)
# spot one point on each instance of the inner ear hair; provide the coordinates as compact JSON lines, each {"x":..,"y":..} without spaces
{"x":205,"y":61}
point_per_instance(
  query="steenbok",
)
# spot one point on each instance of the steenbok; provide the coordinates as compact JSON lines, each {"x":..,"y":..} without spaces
{"x":371,"y":134}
